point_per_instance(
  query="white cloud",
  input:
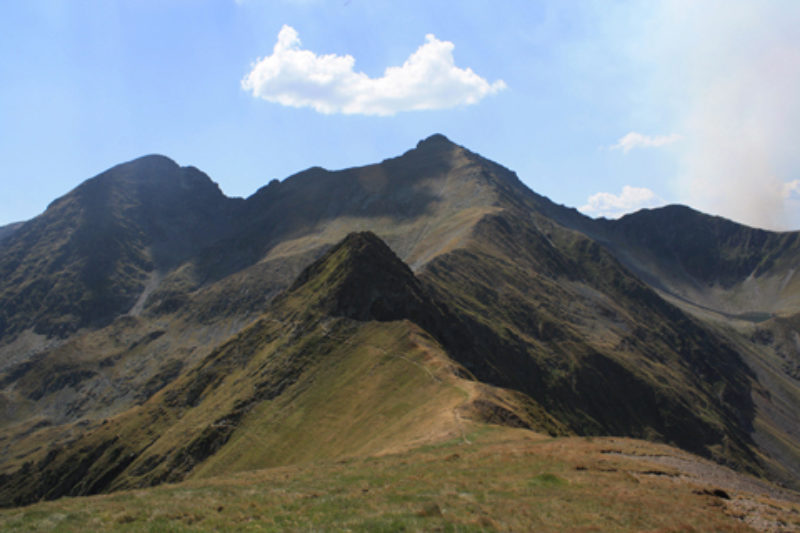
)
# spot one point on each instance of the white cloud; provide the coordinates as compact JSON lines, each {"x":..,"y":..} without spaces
{"x":791,"y":188}
{"x":637,"y":140}
{"x":606,"y":204}
{"x":428,"y":79}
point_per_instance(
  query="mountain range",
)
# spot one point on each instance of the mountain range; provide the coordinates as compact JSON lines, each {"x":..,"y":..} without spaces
{"x":154,"y":330}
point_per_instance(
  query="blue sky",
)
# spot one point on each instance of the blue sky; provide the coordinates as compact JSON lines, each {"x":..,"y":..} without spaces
{"x":605,"y":106}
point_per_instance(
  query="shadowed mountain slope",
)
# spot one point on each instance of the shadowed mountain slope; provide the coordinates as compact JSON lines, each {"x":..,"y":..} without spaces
{"x":710,"y":261}
{"x":87,"y":258}
{"x":702,"y":260}
{"x":595,"y":346}
{"x":739,"y":282}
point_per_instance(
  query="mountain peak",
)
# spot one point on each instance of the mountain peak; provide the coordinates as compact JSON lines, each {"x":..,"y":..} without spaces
{"x":366,"y":242}
{"x":154,"y":176}
{"x":141,"y":167}
{"x":362,"y":278}
{"x":435,"y":141}
{"x":154,"y":159}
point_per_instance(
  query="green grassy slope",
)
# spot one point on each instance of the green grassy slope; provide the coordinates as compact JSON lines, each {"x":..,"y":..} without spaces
{"x":332,"y":369}
{"x":491,"y":479}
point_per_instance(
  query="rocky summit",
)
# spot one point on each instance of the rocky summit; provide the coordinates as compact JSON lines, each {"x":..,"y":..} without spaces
{"x":153,"y":330}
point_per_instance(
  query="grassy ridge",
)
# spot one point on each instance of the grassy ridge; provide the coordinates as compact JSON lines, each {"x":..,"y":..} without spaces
{"x":331,"y":370}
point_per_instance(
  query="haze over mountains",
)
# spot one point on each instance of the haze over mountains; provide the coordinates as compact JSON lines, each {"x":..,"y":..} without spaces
{"x":151,"y":328}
